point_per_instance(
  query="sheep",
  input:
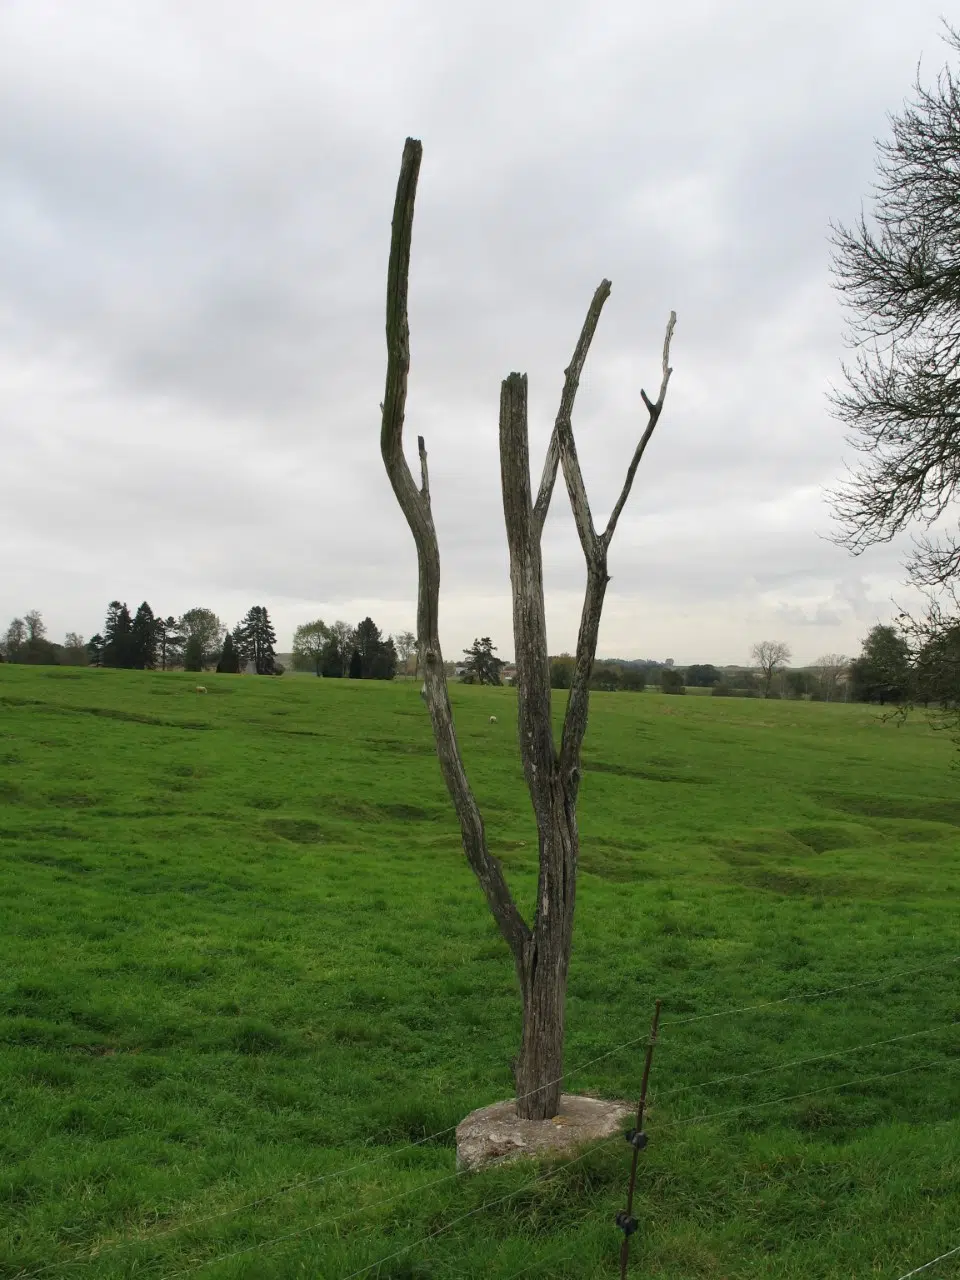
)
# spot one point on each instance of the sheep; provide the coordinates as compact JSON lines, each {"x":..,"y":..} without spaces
{"x":201,"y":688}
{"x":493,"y":719}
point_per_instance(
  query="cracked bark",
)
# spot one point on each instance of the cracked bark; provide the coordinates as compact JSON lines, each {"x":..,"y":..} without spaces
{"x":541,"y":952}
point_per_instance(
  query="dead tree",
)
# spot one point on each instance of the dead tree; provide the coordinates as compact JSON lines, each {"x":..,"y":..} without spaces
{"x":541,"y":953}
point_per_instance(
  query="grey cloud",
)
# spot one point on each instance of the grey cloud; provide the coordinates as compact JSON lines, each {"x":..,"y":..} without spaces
{"x":194,"y":221}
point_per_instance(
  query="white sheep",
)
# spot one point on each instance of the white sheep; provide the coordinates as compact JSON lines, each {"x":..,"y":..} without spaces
{"x":201,"y":688}
{"x":493,"y":719}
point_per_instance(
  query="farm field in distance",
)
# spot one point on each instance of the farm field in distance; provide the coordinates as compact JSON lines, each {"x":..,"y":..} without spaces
{"x":245,"y":967}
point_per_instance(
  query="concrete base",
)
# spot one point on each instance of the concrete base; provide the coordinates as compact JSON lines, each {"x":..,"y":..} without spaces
{"x":496,"y":1135}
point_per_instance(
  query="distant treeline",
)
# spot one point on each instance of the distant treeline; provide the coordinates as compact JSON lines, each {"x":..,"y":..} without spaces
{"x":896,"y":666}
{"x":145,"y":641}
{"x":198,"y":641}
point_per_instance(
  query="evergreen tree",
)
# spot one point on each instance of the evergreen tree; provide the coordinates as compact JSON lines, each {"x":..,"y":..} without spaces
{"x":170,"y":642}
{"x":481,"y":663}
{"x":117,"y":636}
{"x":384,"y":664}
{"x":229,"y":659}
{"x":95,"y":650}
{"x":882,"y":672}
{"x":373,"y":658}
{"x":193,"y":653}
{"x":260,"y":637}
{"x":240,"y":646}
{"x":366,"y":641}
{"x":143,"y":639}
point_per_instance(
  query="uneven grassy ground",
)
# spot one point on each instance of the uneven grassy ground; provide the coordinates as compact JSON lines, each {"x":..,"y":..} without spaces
{"x":241,"y":953}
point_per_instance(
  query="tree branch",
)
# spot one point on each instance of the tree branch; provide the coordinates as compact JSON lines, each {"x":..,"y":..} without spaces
{"x":595,"y":553}
{"x":654,"y":411}
{"x":578,"y":701}
{"x":416,"y":507}
{"x":571,"y":383}
{"x":424,"y":476}
{"x":529,"y":616}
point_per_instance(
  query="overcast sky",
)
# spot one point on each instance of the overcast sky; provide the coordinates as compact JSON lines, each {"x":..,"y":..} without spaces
{"x":195,"y":203}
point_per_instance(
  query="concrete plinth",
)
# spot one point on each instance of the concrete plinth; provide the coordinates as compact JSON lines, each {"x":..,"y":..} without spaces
{"x":496,"y":1134}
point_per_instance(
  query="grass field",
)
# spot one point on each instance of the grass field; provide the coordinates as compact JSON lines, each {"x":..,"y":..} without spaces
{"x":245,"y":968}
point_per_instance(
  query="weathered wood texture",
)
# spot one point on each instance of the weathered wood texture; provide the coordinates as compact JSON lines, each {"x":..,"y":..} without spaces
{"x":542,"y":952}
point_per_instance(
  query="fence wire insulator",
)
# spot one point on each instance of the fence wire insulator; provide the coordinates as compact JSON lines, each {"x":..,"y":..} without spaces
{"x":637,"y":1139}
{"x":626,"y":1224}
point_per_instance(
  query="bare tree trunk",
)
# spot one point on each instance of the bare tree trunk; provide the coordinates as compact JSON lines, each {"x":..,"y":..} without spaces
{"x":542,"y":953}
{"x":538,"y":1070}
{"x":545,"y":956}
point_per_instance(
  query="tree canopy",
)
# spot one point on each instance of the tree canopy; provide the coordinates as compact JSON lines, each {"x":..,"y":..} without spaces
{"x":373,"y":658}
{"x":882,"y":671}
{"x":482,"y":665}
{"x":206,"y":630}
{"x":309,"y":644}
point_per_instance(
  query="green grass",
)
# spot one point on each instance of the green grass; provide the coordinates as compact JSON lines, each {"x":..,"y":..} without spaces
{"x":242,"y":952}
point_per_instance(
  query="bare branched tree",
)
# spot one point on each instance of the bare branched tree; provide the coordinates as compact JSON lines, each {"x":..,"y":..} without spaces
{"x":829,"y":668}
{"x":898,"y":274}
{"x":770,"y":656}
{"x":541,"y":951}
{"x":405,"y":643}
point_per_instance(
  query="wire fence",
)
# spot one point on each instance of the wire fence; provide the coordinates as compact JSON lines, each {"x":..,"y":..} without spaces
{"x":932,"y":1263}
{"x":608,"y":1142}
{"x":372,"y":1210}
{"x":370,"y":1164}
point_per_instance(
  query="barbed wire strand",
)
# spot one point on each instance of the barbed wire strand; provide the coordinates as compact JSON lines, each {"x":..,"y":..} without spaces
{"x":932,"y":1263}
{"x":264,"y":1244}
{"x":362,"y":1164}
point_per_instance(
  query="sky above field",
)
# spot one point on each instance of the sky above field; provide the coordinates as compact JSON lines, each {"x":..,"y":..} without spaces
{"x":195,"y":205}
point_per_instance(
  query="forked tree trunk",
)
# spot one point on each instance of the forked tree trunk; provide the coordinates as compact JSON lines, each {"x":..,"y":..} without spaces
{"x":542,"y":953}
{"x":538,"y":1070}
